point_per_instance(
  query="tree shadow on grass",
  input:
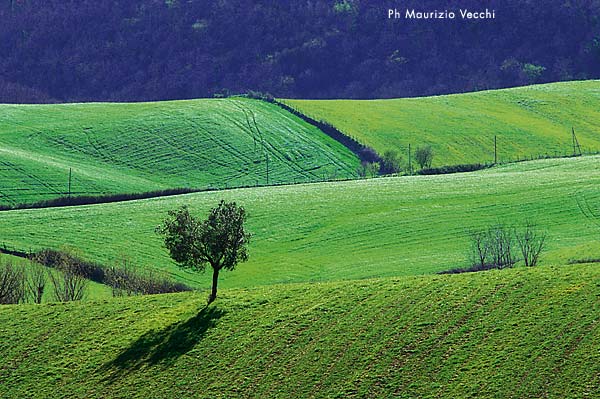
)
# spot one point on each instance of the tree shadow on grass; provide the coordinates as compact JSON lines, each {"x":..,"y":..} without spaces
{"x":165,"y":346}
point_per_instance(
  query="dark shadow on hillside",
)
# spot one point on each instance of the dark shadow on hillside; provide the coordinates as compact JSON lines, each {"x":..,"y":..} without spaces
{"x":165,"y":346}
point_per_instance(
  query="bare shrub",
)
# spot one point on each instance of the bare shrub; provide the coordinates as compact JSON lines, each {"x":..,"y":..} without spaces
{"x":501,"y":247}
{"x":126,"y":281}
{"x":36,"y":283}
{"x":12,"y":283}
{"x":531,"y":243}
{"x":368,"y":169}
{"x":121,"y":278}
{"x":69,"y":284}
{"x":479,"y":249}
{"x":492,"y":248}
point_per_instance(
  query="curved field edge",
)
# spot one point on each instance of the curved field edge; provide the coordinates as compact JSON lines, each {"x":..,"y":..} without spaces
{"x":135,"y":147}
{"x":498,"y":334}
{"x":528,"y":121}
{"x":344,"y":230}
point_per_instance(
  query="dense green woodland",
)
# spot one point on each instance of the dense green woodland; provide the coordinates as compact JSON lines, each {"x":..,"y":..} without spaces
{"x":56,"y":50}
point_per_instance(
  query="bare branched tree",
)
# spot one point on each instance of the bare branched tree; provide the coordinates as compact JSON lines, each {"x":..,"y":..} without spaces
{"x":501,"y":247}
{"x":12,"y":283}
{"x":492,"y":248}
{"x":36,"y":282}
{"x":480,"y":249}
{"x":531,"y":243}
{"x":69,"y":283}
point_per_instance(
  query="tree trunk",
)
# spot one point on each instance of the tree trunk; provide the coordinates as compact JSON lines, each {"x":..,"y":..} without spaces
{"x":215,"y":280}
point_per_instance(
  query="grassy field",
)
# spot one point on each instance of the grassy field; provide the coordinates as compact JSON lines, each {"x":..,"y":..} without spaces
{"x":116,"y":148}
{"x":522,"y":333}
{"x":344,"y":230}
{"x":528,"y":121}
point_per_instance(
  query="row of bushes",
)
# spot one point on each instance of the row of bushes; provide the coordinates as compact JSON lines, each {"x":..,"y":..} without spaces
{"x":121,"y":277}
{"x":363,"y":152}
{"x":19,"y":284}
{"x":472,"y":167}
{"x":98,"y":199}
{"x":70,"y":281}
{"x":500,"y":247}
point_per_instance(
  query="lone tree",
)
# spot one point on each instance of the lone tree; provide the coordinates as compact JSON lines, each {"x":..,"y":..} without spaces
{"x":219,"y":241}
{"x":424,"y":156}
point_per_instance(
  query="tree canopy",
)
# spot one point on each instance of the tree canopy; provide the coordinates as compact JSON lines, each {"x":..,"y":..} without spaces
{"x":219,"y":241}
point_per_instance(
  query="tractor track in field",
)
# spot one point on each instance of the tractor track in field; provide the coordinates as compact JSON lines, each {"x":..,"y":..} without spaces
{"x":585,"y":208}
{"x":97,"y":149}
{"x":244,"y":110}
{"x":253,"y":127}
{"x":276,"y":151}
{"x":40,"y":181}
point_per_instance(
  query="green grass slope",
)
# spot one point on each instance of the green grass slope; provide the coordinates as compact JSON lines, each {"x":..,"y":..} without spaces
{"x":115,"y":148}
{"x":528,"y":121}
{"x":523,"y":333}
{"x":344,"y":230}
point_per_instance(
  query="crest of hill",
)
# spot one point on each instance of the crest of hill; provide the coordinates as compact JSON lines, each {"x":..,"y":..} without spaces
{"x":115,"y":148}
{"x":497,"y":334}
{"x":528,"y":122}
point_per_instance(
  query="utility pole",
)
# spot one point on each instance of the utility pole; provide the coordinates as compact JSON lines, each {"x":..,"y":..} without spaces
{"x":576,"y":147}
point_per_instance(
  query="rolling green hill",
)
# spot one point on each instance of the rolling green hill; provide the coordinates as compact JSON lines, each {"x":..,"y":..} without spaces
{"x":133,"y":147}
{"x":522,"y":333}
{"x":529,"y":121}
{"x":344,"y":230}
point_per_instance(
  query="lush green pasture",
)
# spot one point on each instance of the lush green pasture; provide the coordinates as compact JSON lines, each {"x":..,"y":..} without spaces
{"x":344,"y":230}
{"x":115,"y":148}
{"x":523,"y":333}
{"x":529,"y":121}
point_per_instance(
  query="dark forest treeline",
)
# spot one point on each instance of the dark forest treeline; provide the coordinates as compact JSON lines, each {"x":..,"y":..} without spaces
{"x":57,"y":50}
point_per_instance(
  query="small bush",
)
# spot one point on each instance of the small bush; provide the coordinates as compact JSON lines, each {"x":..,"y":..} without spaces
{"x":391,"y":163}
{"x":368,"y":169}
{"x":531,"y":243}
{"x":453,"y":169}
{"x":492,"y":248}
{"x":69,"y":284}
{"x":424,"y":156}
{"x":258,"y":95}
{"x":12,"y":283}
